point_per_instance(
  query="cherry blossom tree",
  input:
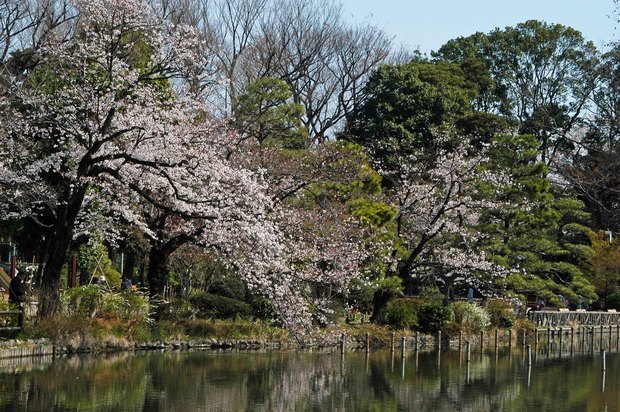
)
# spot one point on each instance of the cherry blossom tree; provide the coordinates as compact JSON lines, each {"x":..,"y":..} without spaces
{"x":325,"y":245}
{"x":103,"y":125}
{"x":98,"y":114}
{"x":439,"y":204}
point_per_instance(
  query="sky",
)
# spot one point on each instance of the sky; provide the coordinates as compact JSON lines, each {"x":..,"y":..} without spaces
{"x":427,"y":24}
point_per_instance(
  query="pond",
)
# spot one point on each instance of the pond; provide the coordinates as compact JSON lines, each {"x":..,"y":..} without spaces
{"x":313,"y":381}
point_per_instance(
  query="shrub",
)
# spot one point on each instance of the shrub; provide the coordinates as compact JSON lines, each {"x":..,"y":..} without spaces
{"x":228,"y":286}
{"x":237,"y":329}
{"x":613,"y":301}
{"x":432,"y":316}
{"x":113,"y":277}
{"x":262,"y":308}
{"x":8,"y":321}
{"x":177,"y":308}
{"x":431,"y":294}
{"x":220,"y":307}
{"x":59,"y":327}
{"x":524,"y":323}
{"x":93,"y":259}
{"x":400,"y":313}
{"x":129,"y":307}
{"x":452,"y":329}
{"x":92,"y":301}
{"x":500,"y":313}
{"x":471,"y":317}
{"x":83,"y":301}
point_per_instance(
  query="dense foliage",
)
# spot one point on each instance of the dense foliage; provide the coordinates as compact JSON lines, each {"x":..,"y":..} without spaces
{"x":318,"y":179}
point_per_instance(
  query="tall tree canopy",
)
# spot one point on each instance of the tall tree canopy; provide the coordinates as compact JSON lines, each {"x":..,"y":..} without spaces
{"x":542,"y":73}
{"x":539,"y":233}
{"x":324,"y":59}
{"x":96,"y":117}
{"x":404,"y":104}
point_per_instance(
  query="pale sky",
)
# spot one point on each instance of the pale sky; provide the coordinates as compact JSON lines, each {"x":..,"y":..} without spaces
{"x":428,"y":24}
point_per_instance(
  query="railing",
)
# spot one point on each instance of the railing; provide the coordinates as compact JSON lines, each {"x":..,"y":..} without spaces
{"x":591,"y":318}
{"x":20,"y":319}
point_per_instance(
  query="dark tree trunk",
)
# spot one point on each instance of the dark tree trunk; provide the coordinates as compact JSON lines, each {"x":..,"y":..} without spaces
{"x":158,"y":263}
{"x":60,"y":238}
{"x":130,"y":264}
{"x":50,"y":283}
{"x":84,"y":276}
{"x":158,"y":269}
{"x":380,"y":301}
{"x":141,"y":270}
{"x":158,"y":256}
{"x":447,"y":291}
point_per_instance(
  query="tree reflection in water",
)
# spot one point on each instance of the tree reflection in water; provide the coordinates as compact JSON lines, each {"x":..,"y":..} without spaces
{"x":308,"y":381}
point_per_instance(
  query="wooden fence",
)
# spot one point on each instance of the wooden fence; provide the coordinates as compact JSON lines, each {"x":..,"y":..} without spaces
{"x":591,"y":318}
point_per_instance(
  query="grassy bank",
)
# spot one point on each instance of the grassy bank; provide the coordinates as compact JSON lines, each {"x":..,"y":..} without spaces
{"x":90,"y":317}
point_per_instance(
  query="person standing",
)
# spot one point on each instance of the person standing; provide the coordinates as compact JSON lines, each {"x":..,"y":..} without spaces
{"x":470,"y":295}
{"x":126,"y":285}
{"x":17,"y":289}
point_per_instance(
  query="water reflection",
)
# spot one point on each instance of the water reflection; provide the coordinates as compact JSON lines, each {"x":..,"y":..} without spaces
{"x":306,"y":381}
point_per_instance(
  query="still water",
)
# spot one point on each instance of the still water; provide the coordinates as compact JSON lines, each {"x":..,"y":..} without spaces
{"x":313,"y":381}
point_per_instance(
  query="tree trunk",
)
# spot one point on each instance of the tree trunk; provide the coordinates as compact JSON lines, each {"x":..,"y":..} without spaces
{"x":57,"y":257}
{"x":159,"y":254}
{"x":157,"y":274}
{"x":447,"y":290}
{"x":380,"y":301}
{"x":130,"y":264}
{"x":60,"y":238}
{"x":141,"y":273}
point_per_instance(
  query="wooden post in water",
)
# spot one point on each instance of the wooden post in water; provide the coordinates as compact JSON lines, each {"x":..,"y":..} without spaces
{"x":367,"y":342}
{"x":403,"y":344}
{"x":523,"y":343}
{"x":604,"y":363}
{"x":392,"y":342}
{"x":342,"y":341}
{"x":496,"y":338}
{"x":601,"y":337}
{"x":610,"y":335}
{"x":481,"y":340}
{"x":439,"y":340}
{"x":509,"y":338}
{"x":561,"y":333}
{"x":417,"y":339}
{"x":468,"y":351}
{"x":582,"y":334}
{"x":529,"y":355}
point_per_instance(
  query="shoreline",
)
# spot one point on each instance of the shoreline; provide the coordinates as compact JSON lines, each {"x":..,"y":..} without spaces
{"x":500,"y":338}
{"x":17,"y":348}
